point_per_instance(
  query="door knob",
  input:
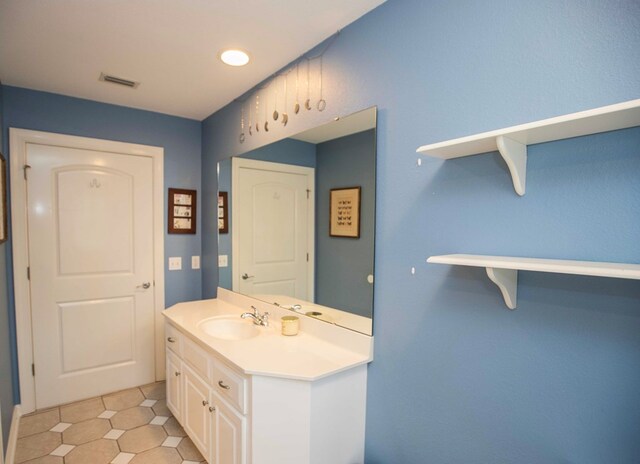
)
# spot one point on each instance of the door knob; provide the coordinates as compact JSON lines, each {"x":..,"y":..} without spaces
{"x":145,"y":285}
{"x":246,"y":276}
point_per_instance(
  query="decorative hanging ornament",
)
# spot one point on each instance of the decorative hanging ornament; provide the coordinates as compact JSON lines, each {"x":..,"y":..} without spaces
{"x":266,"y":119}
{"x":275,"y":100}
{"x":307,"y":103}
{"x":296,"y":107}
{"x":257,"y":112}
{"x":241,"y":138}
{"x":285,"y":116}
{"x":322,"y":104}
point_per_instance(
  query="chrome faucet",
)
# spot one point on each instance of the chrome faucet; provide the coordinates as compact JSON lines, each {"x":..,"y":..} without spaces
{"x":258,"y":319}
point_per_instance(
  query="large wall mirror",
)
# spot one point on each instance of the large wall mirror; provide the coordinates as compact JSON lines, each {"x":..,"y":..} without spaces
{"x":297,"y":222}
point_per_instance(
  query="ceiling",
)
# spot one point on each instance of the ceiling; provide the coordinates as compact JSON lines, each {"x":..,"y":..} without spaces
{"x":169,"y":46}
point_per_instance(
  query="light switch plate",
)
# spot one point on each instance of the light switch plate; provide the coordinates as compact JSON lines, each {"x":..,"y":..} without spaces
{"x":223,"y":261}
{"x":175,"y":264}
{"x":195,"y":262}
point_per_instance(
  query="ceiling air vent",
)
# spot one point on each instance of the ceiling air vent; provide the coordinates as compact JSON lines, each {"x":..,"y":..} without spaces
{"x":118,"y":80}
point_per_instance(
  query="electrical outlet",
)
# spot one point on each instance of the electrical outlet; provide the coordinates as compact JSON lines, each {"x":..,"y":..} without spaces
{"x":175,"y":264}
{"x":195,"y":262}
{"x":223,"y":261}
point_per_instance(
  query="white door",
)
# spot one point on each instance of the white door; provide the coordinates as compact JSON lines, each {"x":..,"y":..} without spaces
{"x":90,"y":218}
{"x":273,"y":228}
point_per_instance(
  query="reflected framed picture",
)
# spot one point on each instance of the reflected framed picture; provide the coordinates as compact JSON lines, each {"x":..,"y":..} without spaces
{"x":223,"y":212}
{"x":3,"y":200}
{"x":344,"y":214}
{"x":182,"y":211}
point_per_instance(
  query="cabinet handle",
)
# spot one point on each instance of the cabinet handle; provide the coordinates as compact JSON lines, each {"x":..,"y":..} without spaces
{"x":226,"y":387}
{"x":177,"y":373}
{"x":171,"y":339}
{"x":205,"y":402}
{"x":212,"y":408}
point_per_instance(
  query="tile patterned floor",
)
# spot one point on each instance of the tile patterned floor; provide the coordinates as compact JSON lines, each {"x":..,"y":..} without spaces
{"x":128,"y":427}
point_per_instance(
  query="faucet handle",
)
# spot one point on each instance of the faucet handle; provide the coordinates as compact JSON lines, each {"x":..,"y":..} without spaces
{"x":255,"y":310}
{"x":265,"y":319}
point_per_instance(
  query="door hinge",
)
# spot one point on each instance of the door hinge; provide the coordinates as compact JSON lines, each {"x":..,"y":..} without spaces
{"x":33,"y":370}
{"x":24,"y":170}
{"x":28,"y":273}
{"x":308,"y":192}
{"x":307,"y":257}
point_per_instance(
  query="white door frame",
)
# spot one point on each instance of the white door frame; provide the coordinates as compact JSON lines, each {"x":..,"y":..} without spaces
{"x":238,"y":163}
{"x":18,"y":140}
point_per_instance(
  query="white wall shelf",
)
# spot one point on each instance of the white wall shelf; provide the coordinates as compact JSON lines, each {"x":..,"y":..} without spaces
{"x":512,"y":142}
{"x":503,"y":270}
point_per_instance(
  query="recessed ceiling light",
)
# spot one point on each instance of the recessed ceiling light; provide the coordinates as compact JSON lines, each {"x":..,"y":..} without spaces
{"x":234,"y":57}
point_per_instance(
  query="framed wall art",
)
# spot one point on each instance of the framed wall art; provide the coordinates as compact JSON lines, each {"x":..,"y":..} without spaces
{"x":182,"y":211}
{"x":344,"y":214}
{"x":4,"y":232}
{"x":223,"y":212}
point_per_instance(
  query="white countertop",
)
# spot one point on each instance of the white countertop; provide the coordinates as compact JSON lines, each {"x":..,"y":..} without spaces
{"x":307,"y":356}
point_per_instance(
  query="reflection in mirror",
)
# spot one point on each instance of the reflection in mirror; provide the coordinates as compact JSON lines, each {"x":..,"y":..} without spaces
{"x":297,"y":229}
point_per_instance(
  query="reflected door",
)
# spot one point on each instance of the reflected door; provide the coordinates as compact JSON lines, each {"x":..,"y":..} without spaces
{"x":273,"y":229}
{"x":91,"y":258}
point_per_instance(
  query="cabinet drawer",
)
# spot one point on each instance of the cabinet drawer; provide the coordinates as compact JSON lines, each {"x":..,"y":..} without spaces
{"x":173,"y":339}
{"x":196,"y":357}
{"x":230,"y":385}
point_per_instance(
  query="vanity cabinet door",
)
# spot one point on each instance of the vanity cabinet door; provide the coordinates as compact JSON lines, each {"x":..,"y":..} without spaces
{"x":174,"y":385}
{"x":196,"y":414}
{"x":228,"y":434}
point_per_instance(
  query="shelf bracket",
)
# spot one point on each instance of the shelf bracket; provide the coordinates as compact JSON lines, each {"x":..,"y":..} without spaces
{"x":507,"y":282}
{"x":515,"y":155}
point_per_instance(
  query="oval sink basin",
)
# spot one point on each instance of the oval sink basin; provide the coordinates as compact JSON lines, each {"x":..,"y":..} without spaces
{"x":229,"y":328}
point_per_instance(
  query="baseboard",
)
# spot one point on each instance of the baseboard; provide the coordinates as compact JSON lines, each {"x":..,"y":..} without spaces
{"x":13,"y":435}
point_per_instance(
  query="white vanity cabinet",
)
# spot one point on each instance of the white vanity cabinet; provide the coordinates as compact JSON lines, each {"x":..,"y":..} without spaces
{"x":266,"y":398}
{"x":216,"y":428}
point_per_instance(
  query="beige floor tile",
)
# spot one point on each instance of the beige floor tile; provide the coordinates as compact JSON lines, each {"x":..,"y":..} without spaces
{"x":123,"y":400}
{"x":84,"y":432}
{"x":155,"y":391}
{"x":123,"y":458}
{"x":81,"y":411}
{"x":158,"y":456}
{"x":173,"y":428}
{"x":46,"y":460}
{"x":132,"y":418}
{"x":188,"y":450}
{"x":142,"y":439}
{"x":36,"y":446}
{"x":161,"y":409}
{"x":95,"y":452}
{"x":39,"y":422}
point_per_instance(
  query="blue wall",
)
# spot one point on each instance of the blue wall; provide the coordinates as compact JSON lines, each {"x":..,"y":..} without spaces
{"x":6,"y":386}
{"x":457,"y":378}
{"x":180,"y":138}
{"x":225,"y":245}
{"x":343,"y":264}
{"x":287,"y":151}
